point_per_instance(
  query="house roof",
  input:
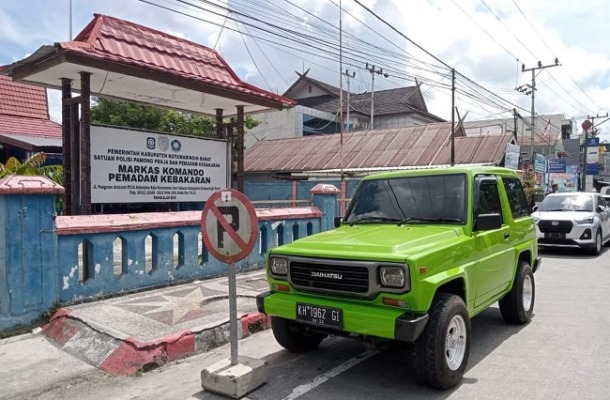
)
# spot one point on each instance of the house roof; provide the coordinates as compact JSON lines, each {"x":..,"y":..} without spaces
{"x":29,"y":126}
{"x":387,"y":102}
{"x":123,"y":55}
{"x":18,"y":99}
{"x":418,"y":146}
{"x":24,"y":117}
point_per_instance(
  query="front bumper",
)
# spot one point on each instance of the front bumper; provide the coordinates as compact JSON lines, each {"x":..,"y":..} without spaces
{"x":581,"y":235}
{"x":361,"y":319}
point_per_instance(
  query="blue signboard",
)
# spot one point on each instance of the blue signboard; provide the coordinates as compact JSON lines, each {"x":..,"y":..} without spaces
{"x":592,"y":169}
{"x":593,"y":141}
{"x":557,"y":166}
{"x":539,"y":163}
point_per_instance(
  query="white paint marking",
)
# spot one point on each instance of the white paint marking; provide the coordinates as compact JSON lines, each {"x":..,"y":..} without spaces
{"x":98,"y":267}
{"x":320,"y":379}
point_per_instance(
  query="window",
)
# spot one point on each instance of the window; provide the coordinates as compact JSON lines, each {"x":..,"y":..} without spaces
{"x":414,"y":199}
{"x":516,"y":197}
{"x":489,"y":198}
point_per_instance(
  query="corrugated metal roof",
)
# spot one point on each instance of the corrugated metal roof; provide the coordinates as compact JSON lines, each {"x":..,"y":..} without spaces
{"x":22,"y":100}
{"x":422,"y":145}
{"x":112,"y":39}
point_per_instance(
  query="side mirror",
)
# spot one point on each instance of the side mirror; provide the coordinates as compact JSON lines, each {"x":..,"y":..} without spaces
{"x":338,"y":221}
{"x":535,"y":208}
{"x":488,"y":222}
{"x":601,"y":209}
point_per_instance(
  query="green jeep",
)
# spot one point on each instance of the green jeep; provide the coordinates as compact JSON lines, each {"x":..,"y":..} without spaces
{"x":417,"y":255}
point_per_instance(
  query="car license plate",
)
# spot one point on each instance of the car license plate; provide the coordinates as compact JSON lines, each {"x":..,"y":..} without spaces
{"x":555,"y":235}
{"x":327,"y":317}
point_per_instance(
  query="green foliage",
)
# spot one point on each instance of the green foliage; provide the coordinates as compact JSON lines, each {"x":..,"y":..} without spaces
{"x":32,"y":166}
{"x":127,"y":114}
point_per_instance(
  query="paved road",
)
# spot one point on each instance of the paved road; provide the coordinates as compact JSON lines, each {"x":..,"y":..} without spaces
{"x":562,"y":354}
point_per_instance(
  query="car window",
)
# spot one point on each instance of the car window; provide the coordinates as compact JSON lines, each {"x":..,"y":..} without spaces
{"x":516,"y":197}
{"x":416,"y":199}
{"x":601,"y":201}
{"x":489,"y":199}
{"x":554,"y":202}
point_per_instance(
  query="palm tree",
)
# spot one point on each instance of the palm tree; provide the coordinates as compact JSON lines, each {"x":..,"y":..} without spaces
{"x":32,"y":166}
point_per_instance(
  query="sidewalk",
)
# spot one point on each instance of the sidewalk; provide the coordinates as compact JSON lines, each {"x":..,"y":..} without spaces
{"x":130,"y":334}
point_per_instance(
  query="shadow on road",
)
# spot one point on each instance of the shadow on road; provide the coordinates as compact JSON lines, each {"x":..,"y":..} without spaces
{"x":383,"y":376}
{"x":567,"y":252}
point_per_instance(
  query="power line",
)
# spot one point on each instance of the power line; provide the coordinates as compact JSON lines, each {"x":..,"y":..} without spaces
{"x":549,"y":48}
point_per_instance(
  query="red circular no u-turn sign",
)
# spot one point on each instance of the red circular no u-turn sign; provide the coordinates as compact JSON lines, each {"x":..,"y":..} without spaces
{"x":229,"y":225}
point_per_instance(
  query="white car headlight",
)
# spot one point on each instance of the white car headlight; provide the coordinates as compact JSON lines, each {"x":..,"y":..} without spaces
{"x":392,"y":276}
{"x":279,"y":265}
{"x":586,"y":220}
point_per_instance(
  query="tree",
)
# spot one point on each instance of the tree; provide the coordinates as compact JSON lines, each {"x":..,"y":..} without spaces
{"x":32,"y":166}
{"x":127,"y":114}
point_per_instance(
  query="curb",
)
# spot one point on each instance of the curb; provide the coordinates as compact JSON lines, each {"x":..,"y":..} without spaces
{"x":125,"y":355}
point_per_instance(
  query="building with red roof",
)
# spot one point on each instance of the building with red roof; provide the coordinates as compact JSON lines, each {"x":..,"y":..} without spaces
{"x":25,"y":127}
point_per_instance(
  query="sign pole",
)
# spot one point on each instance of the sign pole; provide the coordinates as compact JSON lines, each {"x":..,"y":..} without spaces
{"x":230,"y":232}
{"x":233,"y":313}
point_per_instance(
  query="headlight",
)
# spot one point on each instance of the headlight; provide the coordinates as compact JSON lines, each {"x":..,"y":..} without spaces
{"x":392,"y":276}
{"x":587,"y":220}
{"x":279,"y":265}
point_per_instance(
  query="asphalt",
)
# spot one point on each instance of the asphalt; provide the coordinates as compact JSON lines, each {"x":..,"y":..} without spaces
{"x":130,"y":334}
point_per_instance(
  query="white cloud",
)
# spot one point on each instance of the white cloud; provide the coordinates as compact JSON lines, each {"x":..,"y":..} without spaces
{"x":574,"y":33}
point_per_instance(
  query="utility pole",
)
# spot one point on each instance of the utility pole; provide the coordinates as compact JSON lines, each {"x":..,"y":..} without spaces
{"x":348,"y":75}
{"x":70,"y":20}
{"x":533,"y":90}
{"x":452,"y":117}
{"x":583,"y":184}
{"x":374,"y":71}
{"x":341,"y":82}
{"x":515,"y":122}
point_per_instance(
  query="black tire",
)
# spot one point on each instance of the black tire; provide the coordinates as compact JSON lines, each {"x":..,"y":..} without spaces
{"x":291,"y":336}
{"x":517,"y":307}
{"x":597,"y":247}
{"x":438,"y":365}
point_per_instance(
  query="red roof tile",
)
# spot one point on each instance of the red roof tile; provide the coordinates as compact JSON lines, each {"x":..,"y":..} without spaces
{"x":29,"y":127}
{"x":18,"y":99}
{"x":112,"y":39}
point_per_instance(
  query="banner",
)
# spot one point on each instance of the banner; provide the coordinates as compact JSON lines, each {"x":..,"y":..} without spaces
{"x":539,"y":162}
{"x":141,"y":167}
{"x":566,"y":182}
{"x":593,"y":154}
{"x":512,"y":156}
{"x":557,"y":166}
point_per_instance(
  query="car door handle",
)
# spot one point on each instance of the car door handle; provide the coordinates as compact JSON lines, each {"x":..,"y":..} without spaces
{"x":506,"y":236}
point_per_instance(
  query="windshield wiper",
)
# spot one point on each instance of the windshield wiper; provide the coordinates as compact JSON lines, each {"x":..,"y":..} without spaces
{"x":424,"y":219}
{"x":373,"y":219}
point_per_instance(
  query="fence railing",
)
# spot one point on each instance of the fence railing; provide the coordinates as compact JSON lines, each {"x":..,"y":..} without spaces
{"x":48,"y":260}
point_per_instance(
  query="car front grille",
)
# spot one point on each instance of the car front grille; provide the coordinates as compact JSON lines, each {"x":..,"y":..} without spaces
{"x":336,"y":278}
{"x":555,"y":226}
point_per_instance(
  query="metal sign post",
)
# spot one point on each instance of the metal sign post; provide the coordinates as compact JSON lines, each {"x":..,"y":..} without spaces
{"x":233,"y":313}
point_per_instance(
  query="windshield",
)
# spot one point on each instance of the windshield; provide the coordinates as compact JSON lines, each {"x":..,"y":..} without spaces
{"x":567,"y":203}
{"x":417,"y":199}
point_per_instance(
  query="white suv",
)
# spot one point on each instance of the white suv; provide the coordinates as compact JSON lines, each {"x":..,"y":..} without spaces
{"x":573,"y":219}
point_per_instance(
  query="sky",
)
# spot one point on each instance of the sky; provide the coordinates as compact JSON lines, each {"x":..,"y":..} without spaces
{"x":266,"y":42}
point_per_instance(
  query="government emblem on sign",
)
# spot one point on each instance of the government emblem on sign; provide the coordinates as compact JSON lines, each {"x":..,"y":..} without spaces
{"x":229,"y":226}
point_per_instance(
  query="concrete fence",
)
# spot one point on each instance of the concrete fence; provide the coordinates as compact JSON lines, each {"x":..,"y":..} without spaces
{"x":48,"y":260}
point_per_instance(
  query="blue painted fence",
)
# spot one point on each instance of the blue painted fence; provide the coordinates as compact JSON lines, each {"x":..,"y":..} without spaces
{"x":48,"y":260}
